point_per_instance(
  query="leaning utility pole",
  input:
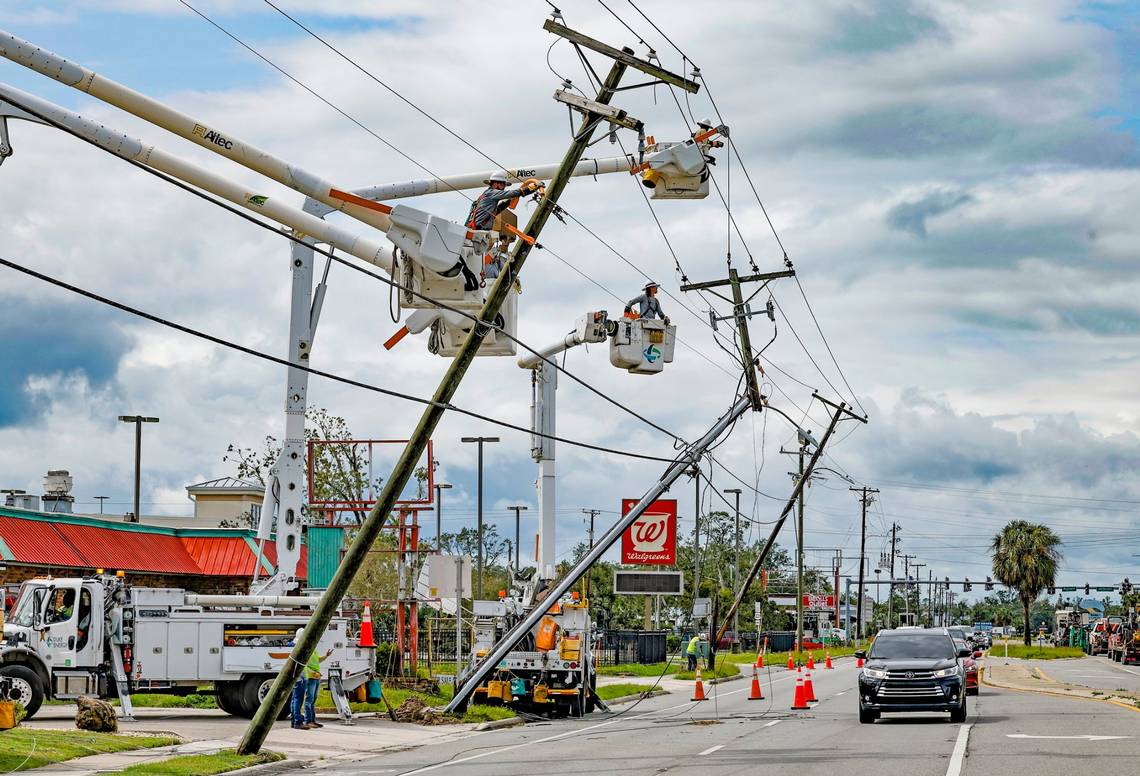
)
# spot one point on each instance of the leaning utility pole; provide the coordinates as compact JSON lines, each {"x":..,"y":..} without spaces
{"x":695,"y":473}
{"x":595,"y":114}
{"x":355,"y":556}
{"x":865,"y":500}
{"x":796,"y":477}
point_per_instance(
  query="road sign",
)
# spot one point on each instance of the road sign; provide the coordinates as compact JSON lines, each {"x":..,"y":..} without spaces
{"x":1105,"y":589}
{"x":702,"y":607}
{"x":648,"y":582}
{"x":652,"y":539}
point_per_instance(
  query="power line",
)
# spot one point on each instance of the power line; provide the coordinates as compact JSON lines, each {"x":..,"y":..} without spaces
{"x":318,"y":372}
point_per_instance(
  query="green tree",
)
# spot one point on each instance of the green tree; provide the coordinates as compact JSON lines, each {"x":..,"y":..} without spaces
{"x":1025,"y":557}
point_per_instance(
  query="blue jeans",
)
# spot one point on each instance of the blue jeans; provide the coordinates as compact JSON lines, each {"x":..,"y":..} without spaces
{"x":296,"y":702}
{"x":312,"y":687}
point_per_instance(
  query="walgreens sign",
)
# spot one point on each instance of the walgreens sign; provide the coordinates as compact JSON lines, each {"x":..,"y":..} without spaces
{"x":652,"y":539}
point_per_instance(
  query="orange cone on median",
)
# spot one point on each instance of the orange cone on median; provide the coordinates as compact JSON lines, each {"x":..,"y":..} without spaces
{"x":858,"y":662}
{"x":791,"y":665}
{"x":809,"y":689}
{"x":828,"y":663}
{"x":699,"y":690}
{"x":799,"y":700}
{"x":810,"y":662}
{"x":366,"y":638}
{"x":757,"y":694}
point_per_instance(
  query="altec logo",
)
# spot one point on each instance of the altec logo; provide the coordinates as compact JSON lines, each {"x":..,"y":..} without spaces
{"x":652,"y":539}
{"x":210,"y":136}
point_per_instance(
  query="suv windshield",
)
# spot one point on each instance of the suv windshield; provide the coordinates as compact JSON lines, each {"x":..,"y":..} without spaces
{"x":917,"y":645}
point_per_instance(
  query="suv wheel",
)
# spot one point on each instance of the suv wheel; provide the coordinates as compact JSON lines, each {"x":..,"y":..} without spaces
{"x":959,"y":714}
{"x":867,"y":716}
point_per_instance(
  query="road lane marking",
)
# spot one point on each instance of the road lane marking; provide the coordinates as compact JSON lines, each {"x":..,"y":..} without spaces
{"x":840,"y":693}
{"x":1074,"y":738}
{"x":574,"y":732}
{"x":959,"y":755}
{"x":710,"y":750}
{"x":774,"y":722}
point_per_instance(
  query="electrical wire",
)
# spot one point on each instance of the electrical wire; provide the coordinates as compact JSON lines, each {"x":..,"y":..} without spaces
{"x":310,"y":370}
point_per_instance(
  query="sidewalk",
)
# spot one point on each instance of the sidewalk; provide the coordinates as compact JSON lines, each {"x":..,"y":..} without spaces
{"x":209,"y":730}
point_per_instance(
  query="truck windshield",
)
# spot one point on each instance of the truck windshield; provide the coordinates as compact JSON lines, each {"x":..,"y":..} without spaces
{"x":921,"y":646}
{"x":22,"y":613}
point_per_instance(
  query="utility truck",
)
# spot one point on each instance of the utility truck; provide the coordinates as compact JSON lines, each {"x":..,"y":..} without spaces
{"x":552,"y":669}
{"x":101,"y":636}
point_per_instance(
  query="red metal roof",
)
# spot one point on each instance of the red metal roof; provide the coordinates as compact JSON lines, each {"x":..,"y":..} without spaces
{"x":302,"y":564}
{"x":118,"y":548}
{"x":33,"y":541}
{"x":85,"y":543}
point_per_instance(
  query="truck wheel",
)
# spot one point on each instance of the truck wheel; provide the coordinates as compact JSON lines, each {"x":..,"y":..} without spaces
{"x":254,"y":688}
{"x":591,"y":695}
{"x":27,"y":689}
{"x":227,"y":696}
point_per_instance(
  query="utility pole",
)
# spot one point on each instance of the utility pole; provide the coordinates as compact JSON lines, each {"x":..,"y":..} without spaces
{"x":439,"y":488}
{"x":918,"y":579}
{"x":138,"y":420}
{"x":518,"y":521}
{"x":736,"y":566}
{"x":593,"y":513}
{"x":865,"y":500}
{"x":695,"y":473}
{"x":479,"y":539}
{"x":796,"y":477}
{"x":101,"y":499}
{"x":377,"y":517}
{"x":891,"y":578}
{"x":906,"y":583}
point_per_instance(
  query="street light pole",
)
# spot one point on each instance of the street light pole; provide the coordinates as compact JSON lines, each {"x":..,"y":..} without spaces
{"x":138,"y":420}
{"x":101,"y":499}
{"x":479,"y":539}
{"x":517,"y":510}
{"x":736,"y":564}
{"x":439,"y":488}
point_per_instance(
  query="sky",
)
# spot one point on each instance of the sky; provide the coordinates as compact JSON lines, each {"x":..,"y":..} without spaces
{"x":955,"y":182}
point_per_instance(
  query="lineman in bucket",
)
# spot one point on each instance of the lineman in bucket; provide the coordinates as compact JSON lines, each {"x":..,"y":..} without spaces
{"x":495,"y":199}
{"x":647,"y":304}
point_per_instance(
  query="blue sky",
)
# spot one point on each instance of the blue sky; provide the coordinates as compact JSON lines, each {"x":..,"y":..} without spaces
{"x":956,"y":182}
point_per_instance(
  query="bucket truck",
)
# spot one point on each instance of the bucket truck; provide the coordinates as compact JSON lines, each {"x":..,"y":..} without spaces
{"x":553,"y":669}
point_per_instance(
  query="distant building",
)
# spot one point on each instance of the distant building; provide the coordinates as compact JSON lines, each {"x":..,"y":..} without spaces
{"x":227,"y":499}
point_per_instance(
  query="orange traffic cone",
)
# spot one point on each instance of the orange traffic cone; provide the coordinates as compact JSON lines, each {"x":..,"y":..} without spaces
{"x":757,"y":694}
{"x":828,"y":663}
{"x":699,"y":690}
{"x":858,"y":662}
{"x":366,"y":638}
{"x":809,"y":689}
{"x":810,"y":662}
{"x":791,"y":665}
{"x":799,"y":700}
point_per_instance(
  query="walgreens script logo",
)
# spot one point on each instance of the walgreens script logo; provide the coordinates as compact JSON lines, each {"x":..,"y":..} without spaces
{"x":652,"y":539}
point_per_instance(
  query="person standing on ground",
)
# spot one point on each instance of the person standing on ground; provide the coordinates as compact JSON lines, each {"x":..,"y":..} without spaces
{"x":692,"y":650}
{"x":304,"y":700}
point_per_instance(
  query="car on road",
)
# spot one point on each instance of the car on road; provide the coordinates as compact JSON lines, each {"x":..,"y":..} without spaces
{"x":910,"y":671}
{"x":971,"y":665}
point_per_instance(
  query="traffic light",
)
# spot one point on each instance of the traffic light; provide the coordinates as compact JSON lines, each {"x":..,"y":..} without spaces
{"x":1088,"y":589}
{"x":1125,"y":587}
{"x":989,"y":584}
{"x":1052,"y":589}
{"x":966,"y":586}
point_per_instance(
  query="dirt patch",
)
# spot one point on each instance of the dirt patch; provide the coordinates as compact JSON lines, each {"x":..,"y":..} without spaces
{"x":703,"y":722}
{"x":416,"y":711}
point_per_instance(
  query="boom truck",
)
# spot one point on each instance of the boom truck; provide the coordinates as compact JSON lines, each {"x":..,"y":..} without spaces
{"x":437,"y":263}
{"x":553,"y":668}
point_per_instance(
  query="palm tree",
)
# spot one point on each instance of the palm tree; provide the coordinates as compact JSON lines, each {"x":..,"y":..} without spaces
{"x":1025,"y":558}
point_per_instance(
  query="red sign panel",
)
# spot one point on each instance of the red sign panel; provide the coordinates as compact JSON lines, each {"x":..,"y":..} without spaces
{"x":652,"y":539}
{"x":819,"y":601}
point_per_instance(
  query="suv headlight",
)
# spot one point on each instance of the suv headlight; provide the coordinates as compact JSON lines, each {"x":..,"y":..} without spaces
{"x":940,"y":674}
{"x":875,"y":673}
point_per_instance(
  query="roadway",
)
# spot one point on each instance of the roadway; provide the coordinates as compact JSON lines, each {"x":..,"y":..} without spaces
{"x":1006,"y":733}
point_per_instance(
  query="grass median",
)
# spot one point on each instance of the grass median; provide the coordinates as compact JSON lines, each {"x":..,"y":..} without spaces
{"x":607,"y":692}
{"x":1022,"y":652}
{"x":199,"y":764}
{"x":476,"y":712}
{"x":725,"y":667}
{"x":23,"y":748}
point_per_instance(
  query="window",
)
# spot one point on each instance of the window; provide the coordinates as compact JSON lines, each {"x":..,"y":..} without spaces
{"x":84,"y":628}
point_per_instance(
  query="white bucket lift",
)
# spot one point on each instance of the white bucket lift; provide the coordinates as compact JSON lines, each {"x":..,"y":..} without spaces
{"x":442,"y":259}
{"x":449,"y":331}
{"x":642,"y":345}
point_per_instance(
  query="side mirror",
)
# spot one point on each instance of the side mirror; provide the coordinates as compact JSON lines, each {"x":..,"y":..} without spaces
{"x":964,"y":653}
{"x":861,"y":653}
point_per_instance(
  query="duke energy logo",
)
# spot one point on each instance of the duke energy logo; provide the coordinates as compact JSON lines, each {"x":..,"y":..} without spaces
{"x":651,"y":353}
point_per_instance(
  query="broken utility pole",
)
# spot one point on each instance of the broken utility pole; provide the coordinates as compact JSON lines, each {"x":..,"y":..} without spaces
{"x":370,"y":529}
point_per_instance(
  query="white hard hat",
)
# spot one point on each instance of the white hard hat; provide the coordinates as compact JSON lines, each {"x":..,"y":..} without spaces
{"x":498,"y":177}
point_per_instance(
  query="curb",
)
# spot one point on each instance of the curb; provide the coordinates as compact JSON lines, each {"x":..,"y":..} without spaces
{"x":637,"y":696}
{"x":1107,"y":699}
{"x":498,"y":724}
{"x":280,"y":766}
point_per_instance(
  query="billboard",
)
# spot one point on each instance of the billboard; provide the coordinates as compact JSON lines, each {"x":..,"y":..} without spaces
{"x":628,"y":582}
{"x":652,"y":539}
{"x":818,"y":602}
